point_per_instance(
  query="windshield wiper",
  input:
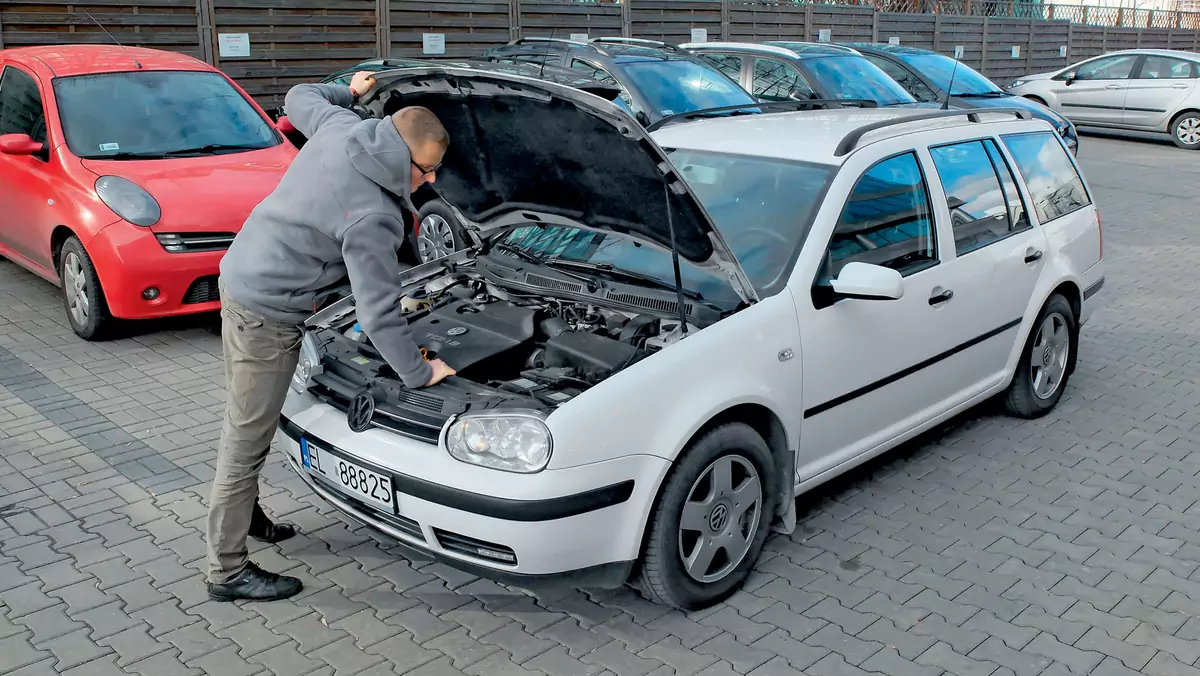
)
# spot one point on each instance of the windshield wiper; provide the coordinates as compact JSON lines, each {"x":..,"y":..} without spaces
{"x":530,"y":257}
{"x":608,"y":270}
{"x":212,"y":148}
{"x":125,"y":156}
{"x":981,"y":95}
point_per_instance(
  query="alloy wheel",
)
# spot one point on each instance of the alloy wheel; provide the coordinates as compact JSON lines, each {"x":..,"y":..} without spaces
{"x":720,"y":518}
{"x":1188,"y":131}
{"x":436,"y":239}
{"x":76,"y":289}
{"x":1051,"y":351}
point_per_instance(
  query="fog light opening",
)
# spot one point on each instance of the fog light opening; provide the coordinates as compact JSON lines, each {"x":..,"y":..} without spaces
{"x":150,"y":293}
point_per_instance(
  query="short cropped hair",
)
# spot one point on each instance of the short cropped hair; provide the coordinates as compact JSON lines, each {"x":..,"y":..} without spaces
{"x":419,"y":127}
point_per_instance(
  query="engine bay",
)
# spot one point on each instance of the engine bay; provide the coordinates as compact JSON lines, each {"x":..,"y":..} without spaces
{"x":506,"y":343}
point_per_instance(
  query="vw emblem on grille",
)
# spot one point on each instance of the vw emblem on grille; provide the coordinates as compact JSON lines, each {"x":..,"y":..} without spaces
{"x":456,"y":331}
{"x":361,"y":411}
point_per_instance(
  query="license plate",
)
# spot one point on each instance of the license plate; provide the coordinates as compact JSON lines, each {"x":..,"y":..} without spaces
{"x":371,"y":487}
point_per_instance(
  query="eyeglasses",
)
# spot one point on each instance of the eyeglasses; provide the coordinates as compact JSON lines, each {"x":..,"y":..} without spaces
{"x":423,"y":170}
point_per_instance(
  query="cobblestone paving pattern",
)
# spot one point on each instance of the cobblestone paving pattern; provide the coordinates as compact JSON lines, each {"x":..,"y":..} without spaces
{"x":1068,"y":545}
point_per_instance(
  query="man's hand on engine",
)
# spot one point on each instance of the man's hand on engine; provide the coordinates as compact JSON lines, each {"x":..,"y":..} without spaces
{"x":440,"y":372}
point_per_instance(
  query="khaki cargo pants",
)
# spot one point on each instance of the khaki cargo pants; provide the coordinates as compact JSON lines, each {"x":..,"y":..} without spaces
{"x":260,"y":357}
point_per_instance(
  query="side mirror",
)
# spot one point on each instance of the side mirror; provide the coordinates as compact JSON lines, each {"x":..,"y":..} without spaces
{"x":284,"y":125}
{"x":1070,"y":76}
{"x":19,"y":144}
{"x":868,"y":282}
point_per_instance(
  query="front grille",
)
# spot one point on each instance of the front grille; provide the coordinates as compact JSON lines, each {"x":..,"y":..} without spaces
{"x":385,"y":417}
{"x":476,"y":549}
{"x":191,"y":242}
{"x":203,"y":290}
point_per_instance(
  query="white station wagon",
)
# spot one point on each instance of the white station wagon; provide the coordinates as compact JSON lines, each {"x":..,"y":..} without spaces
{"x":662,"y":340}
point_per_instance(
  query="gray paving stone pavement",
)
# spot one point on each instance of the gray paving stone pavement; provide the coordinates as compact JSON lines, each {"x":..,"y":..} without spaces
{"x":1067,"y":545}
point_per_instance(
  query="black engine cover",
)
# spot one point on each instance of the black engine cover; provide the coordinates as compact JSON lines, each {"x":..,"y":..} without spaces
{"x":466,"y":334}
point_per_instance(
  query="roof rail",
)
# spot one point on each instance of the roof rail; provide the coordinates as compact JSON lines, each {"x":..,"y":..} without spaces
{"x":637,"y":41}
{"x":764,"y":106}
{"x":850,"y":141}
{"x":519,"y":41}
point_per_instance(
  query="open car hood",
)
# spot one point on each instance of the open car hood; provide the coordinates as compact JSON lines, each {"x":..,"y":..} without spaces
{"x":525,"y":151}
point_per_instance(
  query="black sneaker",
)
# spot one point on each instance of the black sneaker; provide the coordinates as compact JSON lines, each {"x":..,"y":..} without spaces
{"x":265,"y":530}
{"x":255,"y":584}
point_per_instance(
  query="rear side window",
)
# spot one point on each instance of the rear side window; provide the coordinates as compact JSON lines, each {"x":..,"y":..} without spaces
{"x":887,"y":220}
{"x":778,"y":81}
{"x":980,"y":192}
{"x":1054,"y":184}
{"x":21,"y":109}
{"x":730,"y":64}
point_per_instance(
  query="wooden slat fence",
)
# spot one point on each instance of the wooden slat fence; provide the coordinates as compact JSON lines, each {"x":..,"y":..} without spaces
{"x":302,"y":40}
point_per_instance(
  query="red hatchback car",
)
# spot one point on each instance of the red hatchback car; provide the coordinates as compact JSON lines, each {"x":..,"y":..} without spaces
{"x":125,"y":174}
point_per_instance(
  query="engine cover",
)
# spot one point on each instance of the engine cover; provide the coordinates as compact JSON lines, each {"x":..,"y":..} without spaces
{"x":466,"y":334}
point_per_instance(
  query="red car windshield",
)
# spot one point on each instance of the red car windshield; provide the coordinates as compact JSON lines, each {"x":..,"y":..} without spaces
{"x":157,"y":114}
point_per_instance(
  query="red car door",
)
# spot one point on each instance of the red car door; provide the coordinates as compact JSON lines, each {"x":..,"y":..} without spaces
{"x":26,"y":181}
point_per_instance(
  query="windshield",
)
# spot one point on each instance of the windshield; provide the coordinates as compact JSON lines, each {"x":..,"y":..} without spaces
{"x":854,"y":77}
{"x":937,"y":68}
{"x":678,"y":86}
{"x":763,"y":209}
{"x":157,"y":113}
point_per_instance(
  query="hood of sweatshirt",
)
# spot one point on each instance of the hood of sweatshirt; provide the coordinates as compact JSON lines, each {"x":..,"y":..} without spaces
{"x":378,"y":152}
{"x":525,"y":151}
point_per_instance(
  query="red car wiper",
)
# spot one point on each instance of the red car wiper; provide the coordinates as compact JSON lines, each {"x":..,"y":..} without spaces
{"x":212,"y":148}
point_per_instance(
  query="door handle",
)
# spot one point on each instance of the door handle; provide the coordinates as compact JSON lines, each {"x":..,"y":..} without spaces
{"x":1032,"y":255}
{"x":940,"y":296}
{"x":1180,"y":85}
{"x":1114,"y":86}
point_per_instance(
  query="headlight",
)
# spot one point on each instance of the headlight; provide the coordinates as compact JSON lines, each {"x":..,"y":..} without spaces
{"x":1017,"y":83}
{"x":513,"y":441}
{"x":128,"y":200}
{"x":308,"y":366}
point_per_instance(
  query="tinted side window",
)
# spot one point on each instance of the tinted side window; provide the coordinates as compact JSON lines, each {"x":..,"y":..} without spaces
{"x":981,"y":211}
{"x":601,"y":75}
{"x":913,"y":84}
{"x":775,"y":81}
{"x":730,"y":64}
{"x":1054,"y":185}
{"x":1112,"y":68}
{"x":887,"y":220}
{"x":21,"y":105}
{"x":1163,"y":68}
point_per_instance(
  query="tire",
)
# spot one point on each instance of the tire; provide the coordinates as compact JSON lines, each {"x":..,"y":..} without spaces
{"x":1054,"y":340}
{"x":440,"y":233}
{"x":663,"y":575}
{"x":1185,"y":130}
{"x":83,"y":297}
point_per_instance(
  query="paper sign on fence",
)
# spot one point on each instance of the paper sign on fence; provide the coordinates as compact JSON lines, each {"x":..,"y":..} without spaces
{"x":825,"y":35}
{"x":433,"y":43}
{"x":233,"y":44}
{"x":699,"y":35}
{"x":893,"y":40}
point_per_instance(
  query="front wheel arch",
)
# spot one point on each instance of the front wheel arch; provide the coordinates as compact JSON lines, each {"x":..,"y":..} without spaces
{"x":770,"y":427}
{"x":1037,"y":99}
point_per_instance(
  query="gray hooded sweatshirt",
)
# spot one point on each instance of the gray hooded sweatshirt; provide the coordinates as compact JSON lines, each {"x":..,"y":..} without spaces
{"x":340,"y":211}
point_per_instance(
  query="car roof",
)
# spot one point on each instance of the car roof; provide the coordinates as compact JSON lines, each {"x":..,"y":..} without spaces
{"x":790,"y":50}
{"x":71,"y":60}
{"x":620,"y":52}
{"x":813,"y":135}
{"x":1176,"y":53}
{"x":899,"y":50}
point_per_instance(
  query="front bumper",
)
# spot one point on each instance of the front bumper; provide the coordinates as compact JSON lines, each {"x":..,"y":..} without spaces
{"x":472,"y":517}
{"x":129,"y":260}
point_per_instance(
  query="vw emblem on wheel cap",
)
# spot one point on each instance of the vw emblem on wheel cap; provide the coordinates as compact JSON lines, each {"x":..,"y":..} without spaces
{"x":361,"y":411}
{"x":456,"y":331}
{"x":718,"y":518}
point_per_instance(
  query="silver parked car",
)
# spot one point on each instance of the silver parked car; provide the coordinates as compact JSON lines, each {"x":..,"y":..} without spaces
{"x":1140,"y":89}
